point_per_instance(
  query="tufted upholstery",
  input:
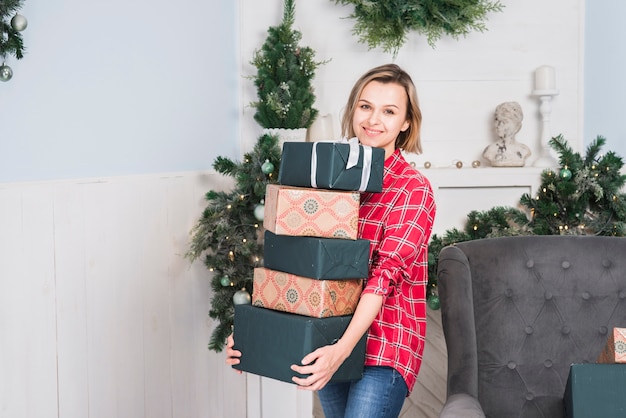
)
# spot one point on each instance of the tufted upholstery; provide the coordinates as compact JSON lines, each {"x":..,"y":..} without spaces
{"x":518,"y":311}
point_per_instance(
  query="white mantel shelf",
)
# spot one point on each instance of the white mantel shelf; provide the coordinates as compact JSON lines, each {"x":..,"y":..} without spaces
{"x":483,"y":176}
{"x":458,"y":191}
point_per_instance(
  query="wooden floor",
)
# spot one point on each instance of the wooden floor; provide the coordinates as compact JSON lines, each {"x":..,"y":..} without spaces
{"x":429,"y":393}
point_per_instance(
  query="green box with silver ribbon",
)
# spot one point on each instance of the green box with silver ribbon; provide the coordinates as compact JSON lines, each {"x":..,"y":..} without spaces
{"x":345,"y":165}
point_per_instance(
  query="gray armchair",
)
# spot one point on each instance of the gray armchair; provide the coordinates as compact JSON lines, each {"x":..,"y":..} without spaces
{"x":518,"y":311}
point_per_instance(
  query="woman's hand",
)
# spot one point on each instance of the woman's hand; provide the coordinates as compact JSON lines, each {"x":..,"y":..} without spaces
{"x":321,"y":365}
{"x":232,"y":355}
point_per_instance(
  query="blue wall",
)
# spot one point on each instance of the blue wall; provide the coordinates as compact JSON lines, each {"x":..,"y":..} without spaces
{"x":119,"y":87}
{"x":605,"y":67}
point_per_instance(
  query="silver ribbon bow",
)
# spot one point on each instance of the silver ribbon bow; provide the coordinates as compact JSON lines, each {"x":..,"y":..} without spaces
{"x":353,"y":159}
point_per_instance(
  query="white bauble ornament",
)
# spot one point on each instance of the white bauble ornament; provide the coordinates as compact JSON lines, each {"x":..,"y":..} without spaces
{"x":259,"y":212}
{"x":19,"y":23}
{"x":242,"y":297}
{"x":5,"y":72}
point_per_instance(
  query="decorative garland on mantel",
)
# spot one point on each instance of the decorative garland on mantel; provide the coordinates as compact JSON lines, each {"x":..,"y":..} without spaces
{"x":386,"y":23}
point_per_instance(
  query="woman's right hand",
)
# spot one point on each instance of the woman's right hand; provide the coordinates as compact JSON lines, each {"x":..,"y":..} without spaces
{"x":232,"y":355}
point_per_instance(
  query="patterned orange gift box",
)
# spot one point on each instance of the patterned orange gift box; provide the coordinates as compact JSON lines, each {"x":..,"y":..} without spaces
{"x":302,"y":211}
{"x":615,"y":349}
{"x":305,"y":296}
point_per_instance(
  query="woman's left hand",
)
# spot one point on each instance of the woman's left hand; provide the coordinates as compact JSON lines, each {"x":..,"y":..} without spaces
{"x":320,"y":365}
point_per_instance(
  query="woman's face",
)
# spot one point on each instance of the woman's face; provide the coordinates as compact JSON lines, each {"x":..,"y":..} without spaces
{"x":380,"y":115}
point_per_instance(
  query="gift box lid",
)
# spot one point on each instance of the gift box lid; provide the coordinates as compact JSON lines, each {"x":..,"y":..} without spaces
{"x":329,"y":165}
{"x":271,"y":341}
{"x":317,"y":258}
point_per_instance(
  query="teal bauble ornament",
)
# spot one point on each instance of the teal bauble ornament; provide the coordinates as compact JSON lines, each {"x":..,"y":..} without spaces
{"x":565,"y":173}
{"x":225,"y":281}
{"x":6,"y":73}
{"x":267,"y":167}
{"x":242,"y":297}
{"x":259,"y":212}
{"x":433,"y":302}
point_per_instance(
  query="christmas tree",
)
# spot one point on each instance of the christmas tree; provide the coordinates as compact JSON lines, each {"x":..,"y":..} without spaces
{"x":584,"y":196}
{"x":284,"y":77}
{"x":228,"y":232}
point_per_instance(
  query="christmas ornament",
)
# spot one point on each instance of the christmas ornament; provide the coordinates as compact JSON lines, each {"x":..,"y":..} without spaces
{"x":225,"y":281}
{"x":433,"y":302}
{"x":476,"y":164}
{"x":5,"y":72}
{"x":267,"y":167}
{"x":427,"y":164}
{"x":565,"y":173}
{"x":242,"y":297}
{"x":259,"y":211}
{"x":459,"y":164}
{"x":19,"y":22}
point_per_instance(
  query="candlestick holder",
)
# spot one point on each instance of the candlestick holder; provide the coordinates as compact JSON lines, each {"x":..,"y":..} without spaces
{"x":545,"y":159}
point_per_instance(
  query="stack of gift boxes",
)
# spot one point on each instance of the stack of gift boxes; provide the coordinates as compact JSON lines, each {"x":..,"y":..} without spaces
{"x":314,"y":265}
{"x":597,"y":389}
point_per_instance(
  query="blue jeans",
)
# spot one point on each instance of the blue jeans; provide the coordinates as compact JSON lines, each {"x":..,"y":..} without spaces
{"x":380,"y":393}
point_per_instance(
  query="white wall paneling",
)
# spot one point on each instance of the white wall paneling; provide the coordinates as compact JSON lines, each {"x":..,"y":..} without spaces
{"x":100,"y":314}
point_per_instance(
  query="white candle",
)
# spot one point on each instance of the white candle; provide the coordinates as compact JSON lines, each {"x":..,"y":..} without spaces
{"x":545,"y":78}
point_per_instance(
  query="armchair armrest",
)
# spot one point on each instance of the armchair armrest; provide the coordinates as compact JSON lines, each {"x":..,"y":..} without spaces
{"x":462,"y":405}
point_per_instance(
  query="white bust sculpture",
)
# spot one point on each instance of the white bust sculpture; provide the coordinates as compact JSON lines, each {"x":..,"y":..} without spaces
{"x":506,"y":151}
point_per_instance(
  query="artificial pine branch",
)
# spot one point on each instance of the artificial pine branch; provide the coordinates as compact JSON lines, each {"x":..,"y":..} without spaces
{"x":387,"y":23}
{"x":12,"y":43}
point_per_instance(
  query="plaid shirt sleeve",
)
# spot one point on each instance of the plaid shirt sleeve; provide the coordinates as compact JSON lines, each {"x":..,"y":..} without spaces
{"x":398,"y":222}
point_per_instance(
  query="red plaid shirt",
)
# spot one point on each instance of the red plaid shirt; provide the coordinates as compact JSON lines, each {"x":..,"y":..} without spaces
{"x":398,"y":222}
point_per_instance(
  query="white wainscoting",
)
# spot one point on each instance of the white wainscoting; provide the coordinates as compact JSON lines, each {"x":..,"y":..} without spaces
{"x":100,"y":314}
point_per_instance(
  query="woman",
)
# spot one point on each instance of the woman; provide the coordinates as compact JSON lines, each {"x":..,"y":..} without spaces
{"x":382,"y":111}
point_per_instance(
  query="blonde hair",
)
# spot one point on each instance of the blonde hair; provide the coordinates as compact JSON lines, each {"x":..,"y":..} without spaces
{"x":408,"y":140}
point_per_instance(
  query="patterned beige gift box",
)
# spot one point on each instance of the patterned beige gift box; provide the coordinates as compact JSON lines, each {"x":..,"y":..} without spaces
{"x":305,"y":296}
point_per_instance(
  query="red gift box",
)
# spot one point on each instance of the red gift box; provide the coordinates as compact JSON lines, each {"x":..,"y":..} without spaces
{"x":301,"y":211}
{"x":615,"y":349}
{"x":287,"y":292}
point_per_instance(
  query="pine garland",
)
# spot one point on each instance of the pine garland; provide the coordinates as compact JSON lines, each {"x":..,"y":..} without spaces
{"x":227,"y":233}
{"x":583,"y":197}
{"x":387,"y":23}
{"x":11,"y":42}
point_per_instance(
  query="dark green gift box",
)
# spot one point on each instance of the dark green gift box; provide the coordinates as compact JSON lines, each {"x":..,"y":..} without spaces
{"x":595,"y":390}
{"x":271,"y":341}
{"x":317,"y":258}
{"x":330,"y":166}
